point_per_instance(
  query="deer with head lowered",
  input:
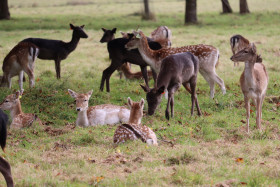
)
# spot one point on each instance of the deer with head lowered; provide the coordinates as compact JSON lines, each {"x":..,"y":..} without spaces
{"x":208,"y":58}
{"x":177,"y":69}
{"x":58,"y":50}
{"x":19,"y":60}
{"x":99,"y":114}
{"x":134,"y":130}
{"x":253,"y":80}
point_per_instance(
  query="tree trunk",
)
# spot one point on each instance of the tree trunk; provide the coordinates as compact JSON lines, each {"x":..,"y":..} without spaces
{"x":244,"y":9}
{"x":190,"y":14}
{"x":4,"y":9}
{"x":147,"y":14}
{"x":226,"y":7}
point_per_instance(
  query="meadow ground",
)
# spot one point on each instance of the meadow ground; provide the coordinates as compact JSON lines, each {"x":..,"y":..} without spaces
{"x":205,"y":151}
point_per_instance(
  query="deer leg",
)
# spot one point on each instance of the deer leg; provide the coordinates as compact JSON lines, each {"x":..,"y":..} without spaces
{"x":247,"y":106}
{"x":9,"y":81}
{"x":107,"y":74}
{"x":57,"y":68}
{"x":172,"y":105}
{"x":154,"y":77}
{"x":5,"y":169}
{"x":20,"y":79}
{"x":30,"y":74}
{"x":258,"y":118}
{"x":167,"y":108}
{"x":210,"y":82}
{"x":193,"y":96}
{"x":187,"y":87}
{"x":170,"y":101}
{"x":145,"y":74}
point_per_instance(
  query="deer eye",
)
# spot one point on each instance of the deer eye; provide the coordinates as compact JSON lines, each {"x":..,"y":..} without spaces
{"x":85,"y":100}
{"x":6,"y":101}
{"x":245,"y":51}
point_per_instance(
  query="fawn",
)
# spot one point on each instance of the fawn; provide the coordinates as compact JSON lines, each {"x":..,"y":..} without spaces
{"x":134,"y":129}
{"x":237,"y":43}
{"x":97,"y":115}
{"x":253,"y":80}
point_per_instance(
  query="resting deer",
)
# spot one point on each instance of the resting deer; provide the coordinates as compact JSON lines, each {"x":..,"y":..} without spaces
{"x":5,"y":167}
{"x":19,"y":119}
{"x":20,"y":59}
{"x":208,"y":58}
{"x":253,"y":80}
{"x":58,"y":50}
{"x":97,"y":115}
{"x":184,"y":68}
{"x":125,"y":68}
{"x":237,"y":43}
{"x":134,"y":129}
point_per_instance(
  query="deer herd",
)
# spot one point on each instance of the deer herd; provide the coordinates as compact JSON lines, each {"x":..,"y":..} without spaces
{"x":171,"y":67}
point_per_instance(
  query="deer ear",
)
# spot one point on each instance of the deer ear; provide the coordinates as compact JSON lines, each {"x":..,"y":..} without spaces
{"x":72,"y":93}
{"x":253,"y":48}
{"x":259,"y":59}
{"x":72,"y":26}
{"x":114,"y":30}
{"x":161,"y":90}
{"x":89,"y":93}
{"x":142,"y":102}
{"x":82,"y":26}
{"x":104,"y":30}
{"x":145,"y":88}
{"x":130,"y":102}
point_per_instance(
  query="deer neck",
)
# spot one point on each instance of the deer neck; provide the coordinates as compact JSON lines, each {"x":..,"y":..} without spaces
{"x":71,"y":46}
{"x":82,"y":119}
{"x":134,"y":120}
{"x":16,"y":110}
{"x":249,"y":73}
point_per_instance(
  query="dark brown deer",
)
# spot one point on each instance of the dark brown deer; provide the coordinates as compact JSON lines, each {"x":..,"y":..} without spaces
{"x":177,"y":69}
{"x":58,"y":50}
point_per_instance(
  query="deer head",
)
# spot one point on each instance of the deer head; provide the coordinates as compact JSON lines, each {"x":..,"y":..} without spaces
{"x":108,"y":35}
{"x":78,"y":31}
{"x":136,"y":111}
{"x":134,"y":41}
{"x":247,"y":54}
{"x":81,"y":99}
{"x":153,"y":97}
{"x":11,"y":100}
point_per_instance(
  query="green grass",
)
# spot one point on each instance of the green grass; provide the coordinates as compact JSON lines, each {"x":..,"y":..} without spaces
{"x":201,"y":150}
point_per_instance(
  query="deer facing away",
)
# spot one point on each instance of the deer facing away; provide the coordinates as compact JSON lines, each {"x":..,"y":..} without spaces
{"x":99,"y":114}
{"x":253,"y":80}
{"x":20,"y":59}
{"x":134,"y":129}
{"x":19,"y":119}
{"x":208,"y":58}
{"x":58,"y":50}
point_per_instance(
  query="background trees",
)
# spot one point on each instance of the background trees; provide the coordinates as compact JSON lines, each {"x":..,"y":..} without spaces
{"x":4,"y":9}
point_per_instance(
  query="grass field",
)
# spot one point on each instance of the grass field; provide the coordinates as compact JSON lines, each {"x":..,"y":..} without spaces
{"x":204,"y":151}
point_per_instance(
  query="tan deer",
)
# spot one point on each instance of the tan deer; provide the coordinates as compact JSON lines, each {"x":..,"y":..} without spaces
{"x":208,"y":58}
{"x":19,"y":60}
{"x":19,"y":119}
{"x":237,"y":43}
{"x":134,"y":129}
{"x":125,"y":68}
{"x":253,"y":80}
{"x":97,"y":115}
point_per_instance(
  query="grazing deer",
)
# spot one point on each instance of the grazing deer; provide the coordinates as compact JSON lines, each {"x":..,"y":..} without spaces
{"x":119,"y":55}
{"x":208,"y":58}
{"x":97,"y":115}
{"x":20,"y":59}
{"x":19,"y":119}
{"x":237,"y":43}
{"x":58,"y":50}
{"x":134,"y":129}
{"x":5,"y":167}
{"x":253,"y":80}
{"x":184,"y":68}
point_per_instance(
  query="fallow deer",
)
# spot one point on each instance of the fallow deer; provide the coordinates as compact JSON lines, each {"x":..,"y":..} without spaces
{"x":99,"y":114}
{"x":19,"y":119}
{"x":134,"y":129}
{"x":184,"y":68}
{"x":58,"y":50}
{"x":253,"y":80}
{"x":237,"y":43}
{"x":126,"y":69}
{"x":208,"y":58}
{"x":5,"y":167}
{"x":20,"y":59}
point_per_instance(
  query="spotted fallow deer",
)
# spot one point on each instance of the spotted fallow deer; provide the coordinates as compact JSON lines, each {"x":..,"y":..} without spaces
{"x":99,"y":114}
{"x":134,"y":130}
{"x":208,"y":58}
{"x":237,"y":43}
{"x":19,"y":119}
{"x":253,"y":80}
{"x":19,"y":60}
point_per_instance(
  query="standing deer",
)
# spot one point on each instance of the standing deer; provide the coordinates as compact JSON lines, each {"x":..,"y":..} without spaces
{"x":58,"y":50}
{"x":208,"y":58}
{"x":237,"y":43}
{"x":134,"y":129}
{"x":19,"y":119}
{"x":97,"y":115}
{"x":253,"y":80}
{"x":175,"y":70}
{"x":20,"y":59}
{"x":5,"y":167}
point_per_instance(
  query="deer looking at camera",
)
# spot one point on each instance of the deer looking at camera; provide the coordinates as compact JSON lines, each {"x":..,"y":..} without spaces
{"x":237,"y":43}
{"x":58,"y":50}
{"x":208,"y":58}
{"x":97,"y":115}
{"x":253,"y":80}
{"x":19,"y":60}
{"x":134,"y":129}
{"x":19,"y":119}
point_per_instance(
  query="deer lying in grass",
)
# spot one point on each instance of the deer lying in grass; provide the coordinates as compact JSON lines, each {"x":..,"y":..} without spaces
{"x":237,"y":43}
{"x":134,"y":129}
{"x":20,"y":59}
{"x":5,"y":167}
{"x":208,"y":58}
{"x":19,"y":119}
{"x":177,"y":69}
{"x":97,"y":115}
{"x":119,"y":55}
{"x":58,"y":50}
{"x":125,"y":68}
{"x":253,"y":80}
